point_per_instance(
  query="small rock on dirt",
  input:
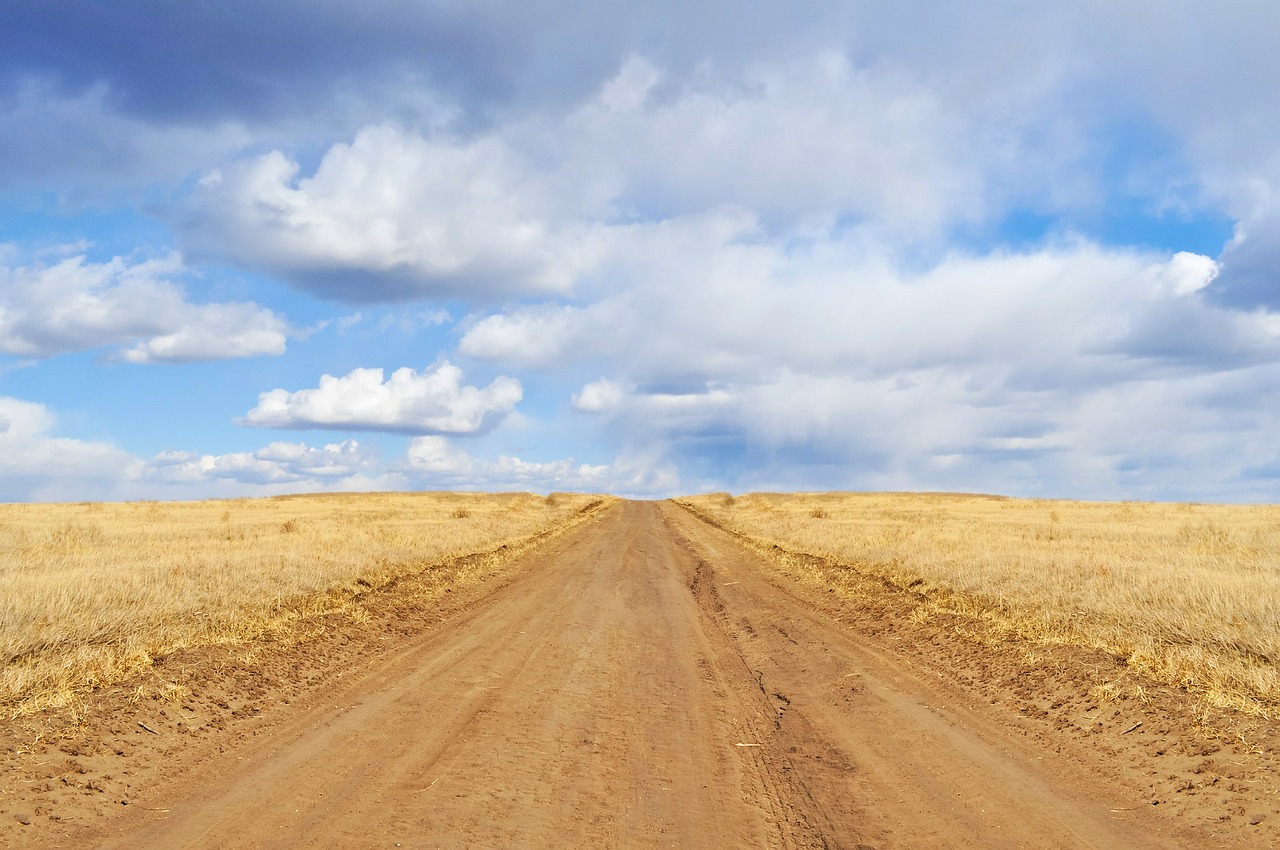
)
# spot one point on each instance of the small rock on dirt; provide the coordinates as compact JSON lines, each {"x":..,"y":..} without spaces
{"x":23,"y":818}
{"x":1257,"y":818}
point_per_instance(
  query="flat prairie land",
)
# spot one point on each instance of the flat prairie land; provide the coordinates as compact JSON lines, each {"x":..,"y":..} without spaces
{"x":649,"y":675}
{"x":1187,"y":593}
{"x":93,"y":593}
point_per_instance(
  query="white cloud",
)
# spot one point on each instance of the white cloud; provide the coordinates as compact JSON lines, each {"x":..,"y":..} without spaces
{"x":38,"y":464}
{"x":214,"y":332}
{"x":438,"y":458}
{"x":599,"y":396}
{"x":433,"y":401}
{"x":35,"y":464}
{"x":1188,"y":273}
{"x":1196,"y":436}
{"x":534,"y":336}
{"x":394,"y":216}
{"x":336,"y":465}
{"x":763,"y":363}
{"x":75,"y":305}
{"x":816,"y":137}
{"x":728,"y":310}
{"x":433,"y":461}
{"x":539,"y":205}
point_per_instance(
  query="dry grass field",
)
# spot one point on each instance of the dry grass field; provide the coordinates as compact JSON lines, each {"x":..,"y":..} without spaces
{"x":92,"y":593}
{"x":1187,"y":593}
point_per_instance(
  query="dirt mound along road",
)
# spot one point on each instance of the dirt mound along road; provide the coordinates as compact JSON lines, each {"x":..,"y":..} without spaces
{"x":638,"y":683}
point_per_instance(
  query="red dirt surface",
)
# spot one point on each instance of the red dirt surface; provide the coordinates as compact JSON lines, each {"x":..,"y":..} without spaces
{"x":644,"y":681}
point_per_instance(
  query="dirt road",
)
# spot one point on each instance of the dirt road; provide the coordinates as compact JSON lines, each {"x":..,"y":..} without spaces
{"x":640,"y":683}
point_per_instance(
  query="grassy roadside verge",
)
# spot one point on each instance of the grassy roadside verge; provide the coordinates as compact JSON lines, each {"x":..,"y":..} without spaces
{"x":1188,"y":595}
{"x":92,"y":594}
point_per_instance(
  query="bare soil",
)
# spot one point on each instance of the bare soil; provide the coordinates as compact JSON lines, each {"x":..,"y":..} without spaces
{"x":644,"y":681}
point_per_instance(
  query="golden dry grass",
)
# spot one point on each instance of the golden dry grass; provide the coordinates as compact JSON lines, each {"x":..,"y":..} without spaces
{"x":92,"y":593}
{"x":1189,"y":594}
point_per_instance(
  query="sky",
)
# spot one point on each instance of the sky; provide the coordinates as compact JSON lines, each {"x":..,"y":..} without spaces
{"x":250,"y":248}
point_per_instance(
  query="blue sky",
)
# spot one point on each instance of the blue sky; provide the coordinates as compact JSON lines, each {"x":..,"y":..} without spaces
{"x":267,"y":247}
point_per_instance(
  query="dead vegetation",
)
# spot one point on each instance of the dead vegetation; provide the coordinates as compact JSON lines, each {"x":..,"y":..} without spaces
{"x":93,"y":593}
{"x":1188,"y":594}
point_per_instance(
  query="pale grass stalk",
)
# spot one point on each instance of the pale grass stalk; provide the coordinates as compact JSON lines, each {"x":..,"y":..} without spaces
{"x":1188,"y":593}
{"x":91,"y":593}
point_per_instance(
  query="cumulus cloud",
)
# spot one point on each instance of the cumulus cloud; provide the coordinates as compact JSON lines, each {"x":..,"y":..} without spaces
{"x":214,"y":332}
{"x":395,"y":216}
{"x":76,"y":305}
{"x":433,"y":401}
